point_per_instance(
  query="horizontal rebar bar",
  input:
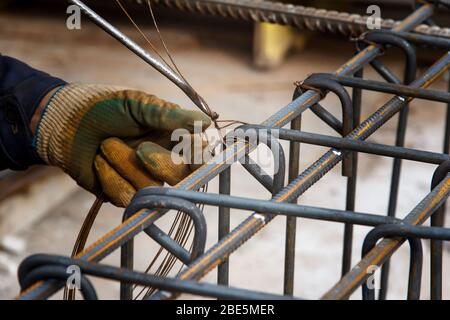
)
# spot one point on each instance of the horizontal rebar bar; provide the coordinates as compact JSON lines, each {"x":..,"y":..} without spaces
{"x":266,"y":206}
{"x":359,"y":145}
{"x":397,"y":89}
{"x":293,"y":15}
{"x":145,"y":279}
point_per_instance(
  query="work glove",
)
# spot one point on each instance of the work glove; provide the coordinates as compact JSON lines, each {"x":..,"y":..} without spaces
{"x":114,"y":141}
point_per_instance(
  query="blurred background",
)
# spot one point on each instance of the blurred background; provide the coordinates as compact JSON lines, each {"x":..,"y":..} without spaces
{"x":245,"y":71}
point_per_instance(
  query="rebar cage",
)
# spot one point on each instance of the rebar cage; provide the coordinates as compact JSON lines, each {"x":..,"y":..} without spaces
{"x":41,"y":276}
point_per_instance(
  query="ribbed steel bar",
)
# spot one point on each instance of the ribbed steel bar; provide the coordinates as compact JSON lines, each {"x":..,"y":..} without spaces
{"x":121,"y":234}
{"x":310,"y":176}
{"x":293,"y":15}
{"x":384,"y":249}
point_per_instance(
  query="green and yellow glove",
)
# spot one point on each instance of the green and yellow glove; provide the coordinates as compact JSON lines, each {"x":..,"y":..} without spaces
{"x":112,"y":140}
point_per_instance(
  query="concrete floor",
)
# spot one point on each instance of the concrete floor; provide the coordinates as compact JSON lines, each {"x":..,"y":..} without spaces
{"x":216,"y":58}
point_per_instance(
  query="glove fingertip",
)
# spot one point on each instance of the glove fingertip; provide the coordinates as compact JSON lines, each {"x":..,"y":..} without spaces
{"x":162,"y":163}
{"x":194,"y":120}
{"x":117,"y":189}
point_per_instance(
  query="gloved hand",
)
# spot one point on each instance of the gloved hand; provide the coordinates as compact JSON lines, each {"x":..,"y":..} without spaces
{"x":113,"y":140}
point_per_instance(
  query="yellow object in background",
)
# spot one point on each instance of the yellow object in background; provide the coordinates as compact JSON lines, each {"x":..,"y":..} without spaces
{"x":272,"y":42}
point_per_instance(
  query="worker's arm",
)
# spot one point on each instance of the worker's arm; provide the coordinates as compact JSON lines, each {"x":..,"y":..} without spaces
{"x":21,"y":90}
{"x":110,"y":140}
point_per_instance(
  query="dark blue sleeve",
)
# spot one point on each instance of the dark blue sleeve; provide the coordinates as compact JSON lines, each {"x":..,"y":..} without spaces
{"x":21,"y":90}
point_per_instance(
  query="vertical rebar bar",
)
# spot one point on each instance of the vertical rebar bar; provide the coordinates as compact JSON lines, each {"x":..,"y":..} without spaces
{"x":351,"y":182}
{"x":224,"y":225}
{"x":438,"y":220}
{"x":447,"y":122}
{"x":291,"y":222}
{"x":408,"y":78}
